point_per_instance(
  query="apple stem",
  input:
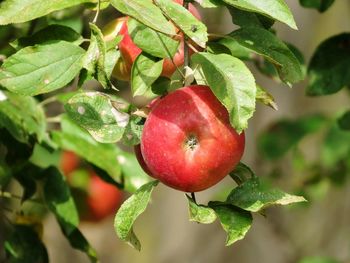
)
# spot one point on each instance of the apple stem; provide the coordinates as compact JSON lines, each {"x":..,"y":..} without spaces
{"x":193,"y":196}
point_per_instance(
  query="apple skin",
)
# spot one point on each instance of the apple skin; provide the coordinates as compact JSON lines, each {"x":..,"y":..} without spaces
{"x":129,"y":51}
{"x":69,"y":162}
{"x":99,"y":200}
{"x":103,"y":199}
{"x":187,"y":141}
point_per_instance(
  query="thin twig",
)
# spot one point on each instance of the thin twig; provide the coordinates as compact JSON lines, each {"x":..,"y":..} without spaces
{"x":97,"y":12}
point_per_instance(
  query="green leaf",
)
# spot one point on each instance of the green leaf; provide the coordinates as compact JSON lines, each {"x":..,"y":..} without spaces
{"x":5,"y":174}
{"x":145,"y":12}
{"x":235,"y":222}
{"x":104,"y":156}
{"x":60,"y":202}
{"x":275,"y":9}
{"x":112,"y":57}
{"x":145,"y":70}
{"x":94,"y":112}
{"x":265,"y":43}
{"x":241,"y":173}
{"x":133,"y":175}
{"x":200,"y":213}
{"x":14,"y":152}
{"x":232,"y":83}
{"x":133,"y":131}
{"x":24,"y":245}
{"x":248,"y":19}
{"x":329,"y":68}
{"x":129,"y":211}
{"x":185,"y":21}
{"x":41,"y":68}
{"x":320,"y":5}
{"x":254,"y":195}
{"x":19,"y":11}
{"x":94,"y":59}
{"x":49,"y":34}
{"x":284,"y":134}
{"x":335,"y":146}
{"x":266,"y":98}
{"x":318,"y":260}
{"x":209,"y":3}
{"x":344,"y":121}
{"x":236,"y":49}
{"x":22,"y":117}
{"x":151,"y":41}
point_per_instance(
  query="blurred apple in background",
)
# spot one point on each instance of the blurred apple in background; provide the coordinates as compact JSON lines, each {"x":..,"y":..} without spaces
{"x":95,"y":199}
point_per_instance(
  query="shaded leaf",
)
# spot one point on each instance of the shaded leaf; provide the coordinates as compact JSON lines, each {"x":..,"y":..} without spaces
{"x":254,"y":195}
{"x":335,"y":146}
{"x":248,"y":19}
{"x":235,"y":222}
{"x":49,"y":34}
{"x":329,"y":68}
{"x":60,"y":202}
{"x":41,"y":68}
{"x":318,"y":260}
{"x":232,"y":83}
{"x":284,"y":134}
{"x":241,"y":173}
{"x":129,"y":212}
{"x":320,"y":5}
{"x":24,"y":245}
{"x":344,"y":121}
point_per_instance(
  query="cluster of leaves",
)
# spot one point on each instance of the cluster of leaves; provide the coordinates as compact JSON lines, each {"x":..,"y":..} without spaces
{"x":328,"y":73}
{"x":50,"y":54}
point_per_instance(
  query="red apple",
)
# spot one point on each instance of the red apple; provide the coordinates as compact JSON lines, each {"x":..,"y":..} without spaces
{"x":187,"y":141}
{"x":129,"y":51}
{"x":103,"y":199}
{"x":95,"y":198}
{"x":69,"y":162}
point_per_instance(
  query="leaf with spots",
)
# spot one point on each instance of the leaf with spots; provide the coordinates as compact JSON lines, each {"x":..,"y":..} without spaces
{"x":42,"y":68}
{"x":94,"y":111}
{"x":130,"y":211}
{"x":75,"y":139}
{"x":254,"y":195}
{"x":185,"y":21}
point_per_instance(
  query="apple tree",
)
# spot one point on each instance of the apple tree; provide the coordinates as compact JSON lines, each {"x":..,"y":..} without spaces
{"x":63,"y":72}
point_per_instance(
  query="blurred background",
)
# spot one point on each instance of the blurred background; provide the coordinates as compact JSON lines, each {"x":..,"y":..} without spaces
{"x":318,"y":229}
